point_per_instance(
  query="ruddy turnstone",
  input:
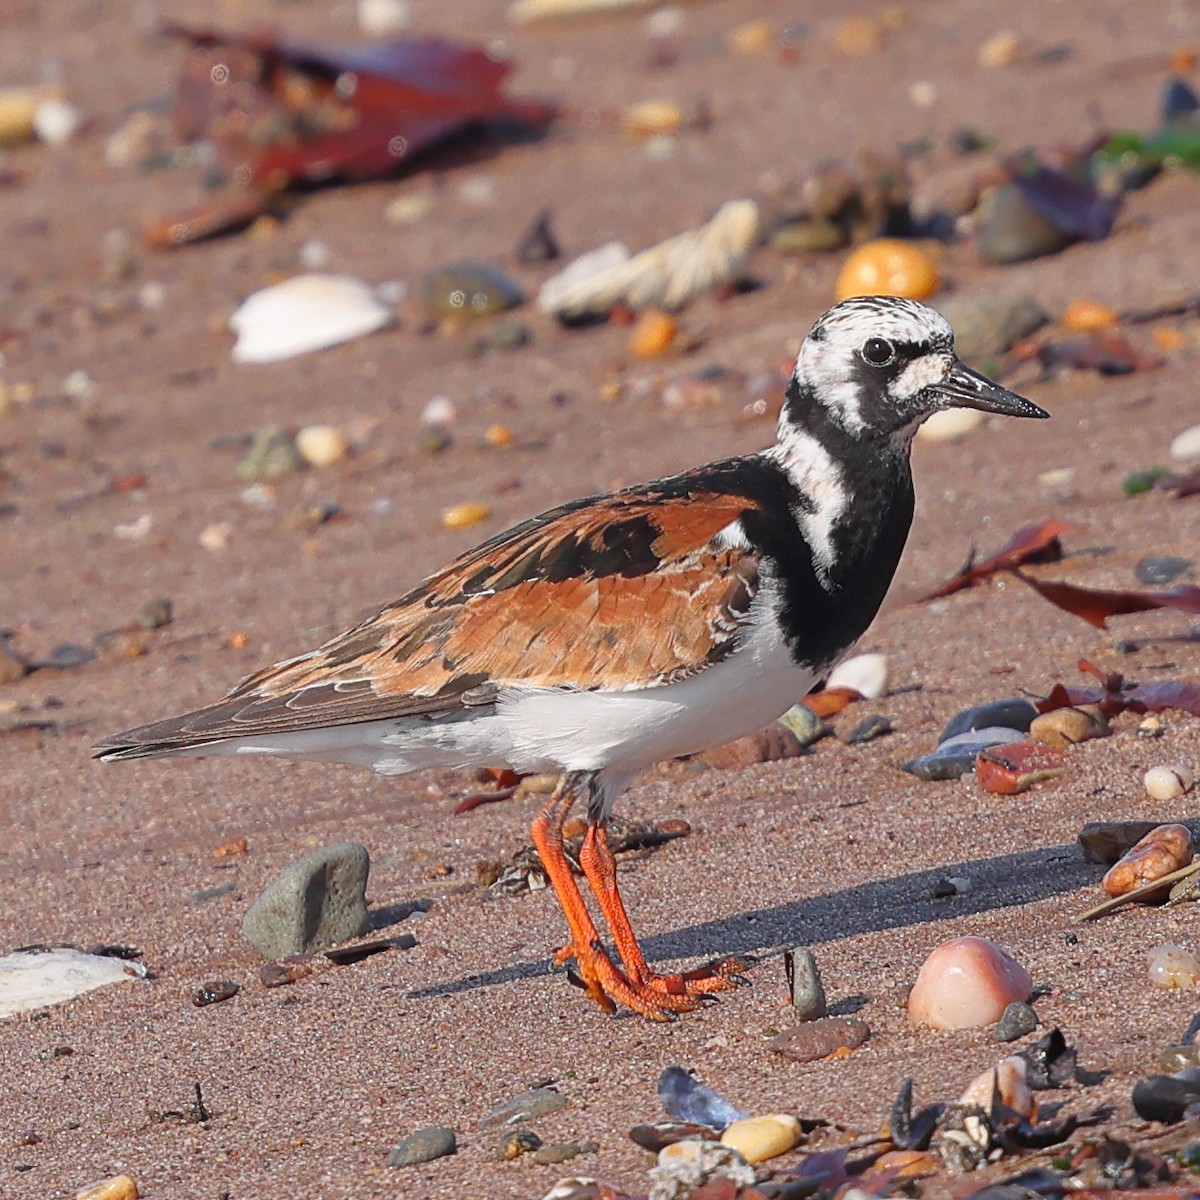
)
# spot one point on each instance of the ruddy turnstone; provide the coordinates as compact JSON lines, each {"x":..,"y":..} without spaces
{"x":614,"y":632}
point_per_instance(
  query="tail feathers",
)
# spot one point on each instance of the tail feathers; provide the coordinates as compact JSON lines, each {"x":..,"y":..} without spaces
{"x":176,"y":735}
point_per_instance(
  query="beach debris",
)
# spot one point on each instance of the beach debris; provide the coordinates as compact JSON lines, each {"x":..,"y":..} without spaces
{"x":315,"y":903}
{"x":1089,"y":316}
{"x":966,"y":982}
{"x":469,"y":512}
{"x":1016,"y":713}
{"x":214,"y":991}
{"x":1186,"y":443}
{"x":769,"y":744}
{"x":889,"y":267}
{"x":1037,"y":543}
{"x":1006,"y":1081}
{"x":685,"y":1098}
{"x":1106,"y":351}
{"x":1008,"y":769}
{"x":1097,"y":605}
{"x":513,"y":1145}
{"x":667,"y":276}
{"x":303,"y":314}
{"x":538,"y":243}
{"x":465,"y":290}
{"x":18,"y":109}
{"x":957,"y":755}
{"x":988,"y":324}
{"x":38,"y":976}
{"x":1018,"y":1019}
{"x":1156,"y":569}
{"x":321,"y":445}
{"x":683,"y":1168}
{"x":527,"y":12}
{"x":1066,"y":727}
{"x":1116,"y":694}
{"x":811,"y":1040}
{"x":865,"y":674}
{"x":950,"y":425}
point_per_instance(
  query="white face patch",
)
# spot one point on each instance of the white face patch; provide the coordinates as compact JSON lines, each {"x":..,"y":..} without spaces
{"x":818,"y":477}
{"x":921,"y":373}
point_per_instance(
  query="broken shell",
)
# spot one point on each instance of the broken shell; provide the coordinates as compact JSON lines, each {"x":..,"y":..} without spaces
{"x":757,"y":1139}
{"x":305,"y":313}
{"x":1168,"y":783}
{"x":1186,"y":444}
{"x":119,"y":1187}
{"x":1008,"y":1078}
{"x":1164,"y":849}
{"x":321,"y":445}
{"x":1172,"y":966}
{"x":867,"y":674}
{"x":32,"y":979}
{"x":889,"y":267}
{"x":1065,"y":727}
{"x":966,"y":982}
{"x":458,"y":516}
{"x":56,"y":121}
{"x":651,"y":117}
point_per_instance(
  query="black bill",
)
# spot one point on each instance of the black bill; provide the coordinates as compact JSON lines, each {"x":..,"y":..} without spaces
{"x":965,"y":388}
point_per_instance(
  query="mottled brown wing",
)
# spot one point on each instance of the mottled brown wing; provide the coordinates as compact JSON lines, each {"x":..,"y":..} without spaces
{"x":621,"y":592}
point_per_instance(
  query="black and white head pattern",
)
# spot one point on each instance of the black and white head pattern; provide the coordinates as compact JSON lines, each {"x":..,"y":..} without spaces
{"x":869,"y":362}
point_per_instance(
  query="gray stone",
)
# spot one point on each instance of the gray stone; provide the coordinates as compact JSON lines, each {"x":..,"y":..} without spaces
{"x":868,"y":729}
{"x":315,"y":903}
{"x":1013,"y":231}
{"x":804,"y":978}
{"x":1017,"y":713}
{"x":988,"y":325}
{"x":272,"y":456}
{"x":536,"y":1102}
{"x":1017,"y":1020}
{"x":956,"y":755}
{"x":805,"y":724}
{"x":425,"y":1145}
{"x":1161,"y":568}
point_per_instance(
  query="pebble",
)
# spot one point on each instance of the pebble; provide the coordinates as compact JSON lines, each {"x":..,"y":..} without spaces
{"x":804,"y":981}
{"x":537,"y":1102}
{"x":888,"y":266}
{"x":655,"y":1136}
{"x":950,"y":425}
{"x":951,"y":885}
{"x":306,"y":313}
{"x":513,"y":1145}
{"x":1065,"y":727}
{"x":1009,"y":1079}
{"x":1168,"y":783}
{"x":435,"y":1141}
{"x":648,"y":118}
{"x":685,"y":1167}
{"x":1166,"y":848}
{"x":18,"y":107}
{"x":559,"y":1152}
{"x":409,"y":208}
{"x":470,"y":289}
{"x":1016,"y":1021}
{"x":384,"y":18}
{"x":56,"y":121}
{"x":287,"y":970}
{"x":215,"y":537}
{"x":214,"y":991}
{"x":758,"y":1139}
{"x":508,"y":335}
{"x":33,"y":979}
{"x":811,"y":1040}
{"x":1012,"y":231}
{"x":805,"y":724}
{"x":315,"y":903}
{"x":988,"y":324}
{"x":119,"y":1187}
{"x":459,"y":516}
{"x":814,"y":235}
{"x":1089,"y":316}
{"x":272,"y":456}
{"x":1016,"y":714}
{"x":1177,"y":1058}
{"x":867,"y":674}
{"x":966,"y":982}
{"x":1171,"y":966}
{"x":858,"y":36}
{"x":538,"y":243}
{"x":1161,"y":568}
{"x":1000,"y":50}
{"x":12,"y":665}
{"x":956,"y":755}
{"x":1006,"y":770}
{"x":1106,"y":841}
{"x":654,"y":333}
{"x":1165,"y":1098}
{"x":321,"y":445}
{"x":1186,"y":444}
{"x":1150,"y":726}
{"x":868,"y":729}
{"x":769,"y":744}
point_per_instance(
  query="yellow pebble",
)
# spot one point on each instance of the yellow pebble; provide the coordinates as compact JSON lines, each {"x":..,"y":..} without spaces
{"x":498,"y":436}
{"x":321,"y":445}
{"x":888,"y":267}
{"x":652,"y":117}
{"x":17,"y":108}
{"x":857,"y":36}
{"x":458,"y":516}
{"x":119,"y":1187}
{"x":752,"y":38}
{"x":654,"y":334}
{"x":1169,"y":340}
{"x":1089,"y":316}
{"x":757,"y":1139}
{"x":1000,"y":50}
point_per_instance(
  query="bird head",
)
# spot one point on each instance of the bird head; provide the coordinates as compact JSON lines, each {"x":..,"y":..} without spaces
{"x":877,"y":366}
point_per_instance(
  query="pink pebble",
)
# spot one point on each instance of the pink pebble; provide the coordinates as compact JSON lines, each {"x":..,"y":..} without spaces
{"x":966,"y":982}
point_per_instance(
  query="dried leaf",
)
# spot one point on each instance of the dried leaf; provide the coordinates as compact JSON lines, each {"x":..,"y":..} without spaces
{"x":1030,"y":544}
{"x":1096,"y":605}
{"x":1117,"y":695}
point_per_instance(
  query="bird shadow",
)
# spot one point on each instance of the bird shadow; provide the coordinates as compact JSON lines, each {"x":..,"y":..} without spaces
{"x":1002,"y":881}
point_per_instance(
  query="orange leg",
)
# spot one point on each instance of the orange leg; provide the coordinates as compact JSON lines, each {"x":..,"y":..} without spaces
{"x":603,"y":981}
{"x":600,"y":867}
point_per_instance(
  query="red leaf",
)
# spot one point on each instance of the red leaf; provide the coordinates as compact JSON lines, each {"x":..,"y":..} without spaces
{"x":1030,"y":543}
{"x":1096,"y":605}
{"x":1117,"y":695}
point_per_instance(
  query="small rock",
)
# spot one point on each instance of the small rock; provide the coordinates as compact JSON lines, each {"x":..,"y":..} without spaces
{"x":215,"y":537}
{"x":951,"y":885}
{"x":1000,"y":50}
{"x":1016,"y":1021}
{"x":425,"y":1145}
{"x":513,"y":1145}
{"x":758,"y":1139}
{"x":1011,"y":230}
{"x":1107,"y":841}
{"x":1186,"y":444}
{"x":965,"y":983}
{"x":956,"y":755}
{"x":1017,"y":714}
{"x":119,"y":1187}
{"x":272,"y":456}
{"x":537,"y":1102}
{"x":811,"y":1040}
{"x":155,"y":614}
{"x":805,"y":724}
{"x":470,"y":289}
{"x":559,"y":1152}
{"x":66,"y":656}
{"x":56,"y":121}
{"x":950,"y":425}
{"x":1065,"y":727}
{"x":804,"y":981}
{"x":1171,"y":966}
{"x":858,"y":36}
{"x":384,"y":18}
{"x":1161,"y":568}
{"x":1006,"y":770}
{"x":1089,"y":316}
{"x":888,"y":266}
{"x":508,"y":335}
{"x":1150,"y":726}
{"x":409,"y":208}
{"x":1168,"y":783}
{"x":315,"y":903}
{"x":12,"y":665}
{"x":287,"y":970}
{"x":1164,"y":850}
{"x":1164,"y":1098}
{"x":538,"y":243}
{"x":459,"y":516}
{"x":868,"y":729}
{"x":769,"y":744}
{"x":321,"y":445}
{"x":18,"y":107}
{"x":867,"y":674}
{"x":215,"y":991}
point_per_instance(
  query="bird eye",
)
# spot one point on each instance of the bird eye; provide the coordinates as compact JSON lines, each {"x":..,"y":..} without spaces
{"x":878,"y":351}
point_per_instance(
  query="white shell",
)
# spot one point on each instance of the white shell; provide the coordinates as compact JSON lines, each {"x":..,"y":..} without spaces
{"x":1168,"y":783}
{"x":1008,"y":1077}
{"x":35,"y":979}
{"x":321,"y":445}
{"x":305,"y":313}
{"x":950,"y":425}
{"x":1186,"y":444}
{"x":867,"y":674}
{"x":668,"y":275}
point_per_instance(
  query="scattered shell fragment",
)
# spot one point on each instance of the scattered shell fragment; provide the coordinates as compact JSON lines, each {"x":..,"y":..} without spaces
{"x":32,"y":979}
{"x":950,"y":425}
{"x":1186,"y":444}
{"x":966,"y":982}
{"x":1063,"y":727}
{"x":1168,"y":783}
{"x":867,"y":674}
{"x":758,"y":1139}
{"x":693,"y":1164}
{"x":1166,"y":848}
{"x":1008,"y":1078}
{"x":651,"y":117}
{"x":119,"y":1187}
{"x":471,"y":512}
{"x":215,"y":991}
{"x":1171,"y":966}
{"x":889,"y":267}
{"x":1089,"y":316}
{"x":667,"y":276}
{"x":321,"y":445}
{"x":654,"y":333}
{"x":1000,"y":50}
{"x":215,"y":537}
{"x":305,"y":313}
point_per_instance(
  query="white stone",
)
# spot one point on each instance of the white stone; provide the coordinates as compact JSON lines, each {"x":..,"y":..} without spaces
{"x":1168,"y":783}
{"x":1187,"y":443}
{"x":867,"y":674}
{"x":441,"y":410}
{"x":32,"y":979}
{"x":950,"y":425}
{"x":56,"y":121}
{"x":305,"y":313}
{"x":215,"y":537}
{"x":383,"y":18}
{"x":321,"y":445}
